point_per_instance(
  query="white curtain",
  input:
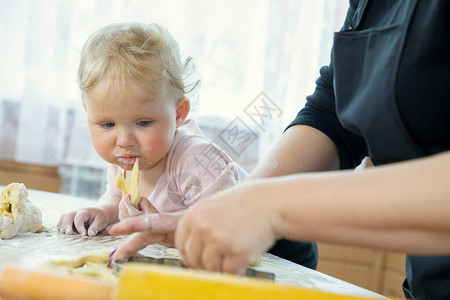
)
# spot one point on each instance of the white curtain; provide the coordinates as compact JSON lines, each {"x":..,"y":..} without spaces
{"x":247,"y":53}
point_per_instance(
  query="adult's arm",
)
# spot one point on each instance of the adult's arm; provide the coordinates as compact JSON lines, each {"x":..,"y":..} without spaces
{"x":401,"y":207}
{"x":300,"y":149}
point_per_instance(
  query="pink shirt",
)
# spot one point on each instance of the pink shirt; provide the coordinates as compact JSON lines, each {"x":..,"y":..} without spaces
{"x":196,"y":168}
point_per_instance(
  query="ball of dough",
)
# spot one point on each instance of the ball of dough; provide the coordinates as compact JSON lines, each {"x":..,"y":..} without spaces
{"x":17,"y":213}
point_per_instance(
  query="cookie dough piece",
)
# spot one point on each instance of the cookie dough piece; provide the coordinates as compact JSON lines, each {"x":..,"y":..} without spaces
{"x":90,"y":264}
{"x":172,"y":252}
{"x":130,"y":186}
{"x":77,"y":262}
{"x":17,"y":213}
{"x":257,"y":262}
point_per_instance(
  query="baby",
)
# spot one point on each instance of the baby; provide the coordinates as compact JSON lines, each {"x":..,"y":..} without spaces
{"x":133,"y":91}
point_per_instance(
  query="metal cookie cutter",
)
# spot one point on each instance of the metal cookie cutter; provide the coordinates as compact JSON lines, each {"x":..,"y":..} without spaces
{"x":118,"y":264}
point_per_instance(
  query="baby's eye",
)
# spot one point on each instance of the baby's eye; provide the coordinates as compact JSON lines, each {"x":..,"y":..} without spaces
{"x":144,"y":123}
{"x":108,"y":125}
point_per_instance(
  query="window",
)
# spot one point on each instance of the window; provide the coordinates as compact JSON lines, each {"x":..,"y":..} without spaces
{"x":244,"y":51}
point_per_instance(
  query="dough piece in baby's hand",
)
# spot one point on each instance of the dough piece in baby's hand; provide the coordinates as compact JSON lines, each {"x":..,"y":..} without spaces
{"x":130,"y":186}
{"x":17,"y":213}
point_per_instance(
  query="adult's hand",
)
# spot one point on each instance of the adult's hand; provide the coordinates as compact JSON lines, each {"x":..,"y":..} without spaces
{"x":228,"y":231}
{"x":146,"y":229}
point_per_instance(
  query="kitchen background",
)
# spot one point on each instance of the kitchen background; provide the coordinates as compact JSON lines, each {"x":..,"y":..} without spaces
{"x":241,"y":49}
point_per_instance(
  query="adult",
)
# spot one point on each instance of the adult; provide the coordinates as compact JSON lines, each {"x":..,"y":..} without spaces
{"x":385,"y":94}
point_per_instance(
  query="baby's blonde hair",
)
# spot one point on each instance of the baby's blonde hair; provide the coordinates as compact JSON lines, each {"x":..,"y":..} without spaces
{"x":125,"y":53}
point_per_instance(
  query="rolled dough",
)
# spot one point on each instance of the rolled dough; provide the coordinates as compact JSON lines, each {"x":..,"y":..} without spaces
{"x":91,"y":264}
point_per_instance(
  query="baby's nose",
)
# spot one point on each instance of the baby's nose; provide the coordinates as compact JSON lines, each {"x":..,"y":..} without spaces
{"x":125,"y":138}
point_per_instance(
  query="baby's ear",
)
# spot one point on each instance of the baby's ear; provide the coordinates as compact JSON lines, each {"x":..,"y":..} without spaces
{"x":183,"y":108}
{"x":84,"y":105}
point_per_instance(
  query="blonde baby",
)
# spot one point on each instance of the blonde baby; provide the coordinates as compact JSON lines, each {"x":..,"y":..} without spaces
{"x":133,"y":91}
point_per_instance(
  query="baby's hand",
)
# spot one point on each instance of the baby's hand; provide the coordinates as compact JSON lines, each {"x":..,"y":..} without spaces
{"x":88,"y":221}
{"x":126,"y":209}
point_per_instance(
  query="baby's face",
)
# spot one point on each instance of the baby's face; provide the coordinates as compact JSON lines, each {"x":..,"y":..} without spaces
{"x":130,"y":124}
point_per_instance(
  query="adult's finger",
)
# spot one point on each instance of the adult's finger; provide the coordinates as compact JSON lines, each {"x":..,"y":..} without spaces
{"x":181,"y":235}
{"x":193,"y":251}
{"x":234,"y":264}
{"x":136,"y":242}
{"x":159,"y":223}
{"x":211,"y":259}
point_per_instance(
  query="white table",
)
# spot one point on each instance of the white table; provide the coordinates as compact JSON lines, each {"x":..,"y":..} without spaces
{"x":32,"y":248}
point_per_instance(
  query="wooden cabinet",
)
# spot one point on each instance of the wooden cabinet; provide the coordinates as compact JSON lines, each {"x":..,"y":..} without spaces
{"x":36,"y":177}
{"x":379,"y":271}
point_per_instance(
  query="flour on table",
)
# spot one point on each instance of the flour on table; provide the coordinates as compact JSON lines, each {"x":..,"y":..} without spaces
{"x":17,"y":213}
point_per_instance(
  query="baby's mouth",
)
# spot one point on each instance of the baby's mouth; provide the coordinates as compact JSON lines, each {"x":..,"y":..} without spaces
{"x":128,"y":160}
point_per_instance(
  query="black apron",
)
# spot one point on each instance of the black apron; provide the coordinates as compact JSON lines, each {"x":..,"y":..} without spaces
{"x":365,"y":65}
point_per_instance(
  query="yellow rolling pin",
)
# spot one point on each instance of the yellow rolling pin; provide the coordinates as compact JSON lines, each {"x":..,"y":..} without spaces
{"x":157,"y":282}
{"x":152,"y":282}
